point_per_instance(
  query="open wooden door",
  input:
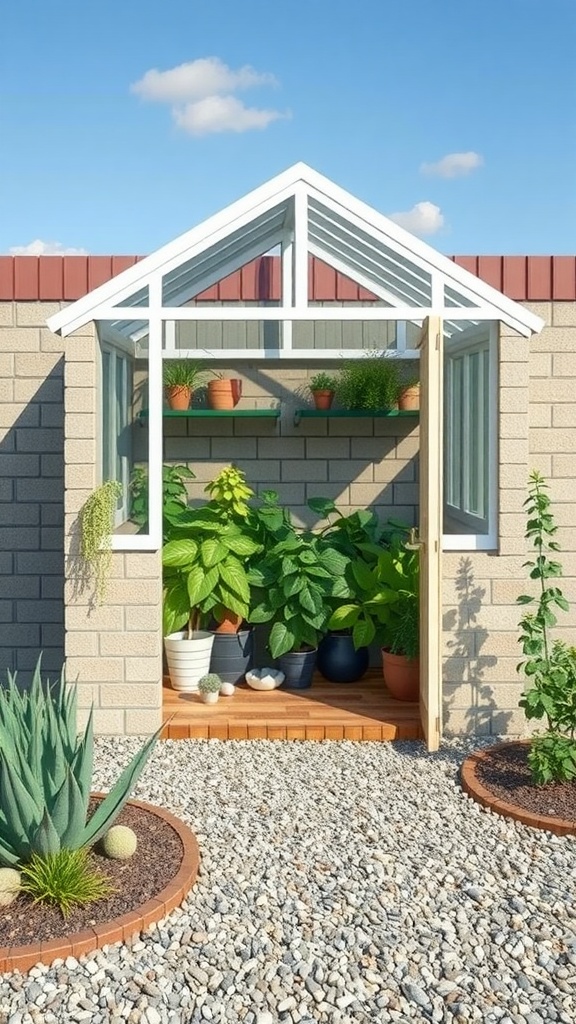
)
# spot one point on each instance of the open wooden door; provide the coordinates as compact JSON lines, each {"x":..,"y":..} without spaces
{"x":430,"y":528}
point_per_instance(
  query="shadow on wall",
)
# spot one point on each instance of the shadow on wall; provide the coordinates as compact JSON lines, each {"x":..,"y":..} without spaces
{"x":471,"y":705}
{"x":32,"y":532}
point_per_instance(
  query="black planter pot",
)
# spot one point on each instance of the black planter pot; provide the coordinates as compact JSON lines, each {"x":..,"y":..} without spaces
{"x":338,"y":661}
{"x":298,"y":667}
{"x":232,"y":655}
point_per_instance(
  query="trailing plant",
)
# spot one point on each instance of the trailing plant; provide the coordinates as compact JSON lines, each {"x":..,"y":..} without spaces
{"x":66,"y":878}
{"x":184,"y":373}
{"x":369,"y":383}
{"x":323,"y":382}
{"x":46,"y":773}
{"x":550,"y":664}
{"x":174,"y":496}
{"x":96,"y":528}
{"x":206,"y":560}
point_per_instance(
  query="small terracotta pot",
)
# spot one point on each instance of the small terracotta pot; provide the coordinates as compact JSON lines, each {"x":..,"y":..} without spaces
{"x":179,"y":397}
{"x":230,"y":623}
{"x":323,"y":399}
{"x":224,"y":394}
{"x":409,"y":400}
{"x":402,"y":676}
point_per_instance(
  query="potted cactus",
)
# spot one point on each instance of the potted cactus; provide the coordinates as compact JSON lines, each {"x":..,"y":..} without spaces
{"x":209,"y":687}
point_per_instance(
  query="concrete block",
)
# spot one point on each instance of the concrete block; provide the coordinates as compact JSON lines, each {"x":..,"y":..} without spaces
{"x":81,"y":425}
{"x":20,"y":415}
{"x":552,"y":442}
{"x":234,"y":449}
{"x":514,"y":375}
{"x":142,"y":723}
{"x":288,"y":493}
{"x":513,"y":425}
{"x":279,"y":448}
{"x":363,"y":427}
{"x":514,"y":399}
{"x":7,"y":314}
{"x":179,"y":449}
{"x":80,"y":375}
{"x":130,"y":695}
{"x":555,"y":339}
{"x":52,"y":537}
{"x":338,"y":492}
{"x":81,"y":349}
{"x":38,"y":365}
{"x":148,"y":618}
{"x":50,"y":563}
{"x":19,"y":515}
{"x":82,"y":618}
{"x":51,"y":342}
{"x":39,"y":611}
{"x":395,"y":471}
{"x":135,"y":644}
{"x":20,"y":339}
{"x":540,"y":415}
{"x":108,"y":722}
{"x":260,"y":470}
{"x":564,"y":314}
{"x":52,"y":465}
{"x":327,"y":448}
{"x":47,"y":439}
{"x":94,"y":670}
{"x":314,"y":470}
{"x":144,"y":670}
{"x":28,"y":389}
{"x":514,"y":451}
{"x":80,"y":400}
{"x":80,"y":451}
{"x":564,"y":415}
{"x":371,"y":494}
{"x":35,"y":314}
{"x":143,"y":565}
{"x":20,"y":538}
{"x":19,"y":465}
{"x":350,"y":471}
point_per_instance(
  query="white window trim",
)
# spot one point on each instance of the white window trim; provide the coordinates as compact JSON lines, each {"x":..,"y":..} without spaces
{"x":483,"y":541}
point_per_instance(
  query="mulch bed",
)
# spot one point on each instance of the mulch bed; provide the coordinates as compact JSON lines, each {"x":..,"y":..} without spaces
{"x":156,"y":861}
{"x":504,"y":771}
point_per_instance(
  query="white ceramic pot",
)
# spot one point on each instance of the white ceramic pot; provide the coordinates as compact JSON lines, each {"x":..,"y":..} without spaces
{"x":264,"y":678}
{"x":210,"y":698}
{"x":188,"y":659}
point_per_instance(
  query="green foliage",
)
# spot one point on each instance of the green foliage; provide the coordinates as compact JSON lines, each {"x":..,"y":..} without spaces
{"x":66,"y":879}
{"x":184,"y":373}
{"x":96,"y":528}
{"x":205,"y":561}
{"x":46,"y":773}
{"x":174,"y":496}
{"x":549,"y":665}
{"x":210,"y":683}
{"x":323,"y":382}
{"x":370,"y":383}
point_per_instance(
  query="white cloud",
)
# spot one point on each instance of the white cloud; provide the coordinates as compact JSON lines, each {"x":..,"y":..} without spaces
{"x":454,"y":165}
{"x":423,"y":219}
{"x":201,"y":95}
{"x":40,"y":248}
{"x":208,"y":76}
{"x":222,"y":114}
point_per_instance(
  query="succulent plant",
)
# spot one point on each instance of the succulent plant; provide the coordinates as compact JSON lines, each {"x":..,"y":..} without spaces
{"x":10,"y":885}
{"x":210,"y":683}
{"x":119,"y":843}
{"x":46,"y":773}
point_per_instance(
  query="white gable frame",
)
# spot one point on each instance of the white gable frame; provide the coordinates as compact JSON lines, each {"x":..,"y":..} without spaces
{"x":364,"y":238}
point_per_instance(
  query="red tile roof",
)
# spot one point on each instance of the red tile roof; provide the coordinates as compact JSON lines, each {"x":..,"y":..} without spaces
{"x":66,"y":278}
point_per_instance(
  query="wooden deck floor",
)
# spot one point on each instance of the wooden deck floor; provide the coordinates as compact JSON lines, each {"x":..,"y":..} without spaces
{"x":327,"y":711}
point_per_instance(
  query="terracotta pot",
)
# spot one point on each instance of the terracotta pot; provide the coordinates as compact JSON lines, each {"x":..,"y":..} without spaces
{"x":224,"y":394}
{"x":323,"y":399}
{"x":410,"y":399}
{"x":402,"y":676}
{"x":179,"y":397}
{"x":229,"y":623}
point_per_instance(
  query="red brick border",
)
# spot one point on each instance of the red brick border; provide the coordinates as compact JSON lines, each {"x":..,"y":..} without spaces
{"x":472,"y":785}
{"x":120,"y":929}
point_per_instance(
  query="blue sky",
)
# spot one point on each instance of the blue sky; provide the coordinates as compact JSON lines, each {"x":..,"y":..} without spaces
{"x":125,"y":123}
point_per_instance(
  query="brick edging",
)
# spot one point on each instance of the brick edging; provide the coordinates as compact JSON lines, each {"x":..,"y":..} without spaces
{"x":119,"y":929}
{"x":474,"y":788}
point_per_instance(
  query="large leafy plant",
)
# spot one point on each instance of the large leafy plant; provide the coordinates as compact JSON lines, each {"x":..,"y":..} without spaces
{"x":550,"y":664}
{"x":293,"y":582}
{"x":46,"y":773}
{"x":174,"y":496}
{"x":206,"y":561}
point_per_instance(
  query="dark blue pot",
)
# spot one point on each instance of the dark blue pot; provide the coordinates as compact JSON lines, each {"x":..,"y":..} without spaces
{"x":232,"y":655}
{"x":338,"y":661}
{"x":298,"y":667}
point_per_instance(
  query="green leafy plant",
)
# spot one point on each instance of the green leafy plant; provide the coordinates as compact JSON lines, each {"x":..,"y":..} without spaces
{"x":323,"y":382}
{"x":210,"y":683}
{"x":369,"y":383}
{"x":174,"y":496}
{"x":96,"y":528}
{"x":206,"y":562}
{"x":293,"y":582}
{"x":549,"y":665}
{"x":46,"y":773}
{"x":184,"y":373}
{"x":66,"y":878}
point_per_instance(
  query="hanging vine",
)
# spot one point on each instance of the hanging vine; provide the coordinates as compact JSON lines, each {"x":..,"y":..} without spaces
{"x":96,"y":526}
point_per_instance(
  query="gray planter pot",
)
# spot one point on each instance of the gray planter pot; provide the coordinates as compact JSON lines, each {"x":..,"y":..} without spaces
{"x":232,"y":655}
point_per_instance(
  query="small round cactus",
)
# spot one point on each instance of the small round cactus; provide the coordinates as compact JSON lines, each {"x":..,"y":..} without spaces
{"x":10,"y":882}
{"x":119,"y":843}
{"x":210,"y":683}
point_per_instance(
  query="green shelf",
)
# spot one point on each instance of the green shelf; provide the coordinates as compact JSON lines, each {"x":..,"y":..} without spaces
{"x":350,"y":413}
{"x":208,"y":413}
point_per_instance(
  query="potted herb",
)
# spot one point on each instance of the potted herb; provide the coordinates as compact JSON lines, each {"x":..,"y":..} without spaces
{"x":409,"y":397}
{"x":371,"y":383}
{"x":322,"y":387}
{"x":181,"y":378}
{"x":224,"y":392}
{"x":399,"y":569}
{"x":206,"y":578}
{"x":209,"y":687}
{"x":293,"y":581}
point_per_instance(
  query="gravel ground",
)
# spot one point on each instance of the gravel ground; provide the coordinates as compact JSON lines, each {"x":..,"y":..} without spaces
{"x":341,"y":883}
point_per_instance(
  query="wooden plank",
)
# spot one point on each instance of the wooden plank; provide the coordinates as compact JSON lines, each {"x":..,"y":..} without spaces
{"x":295,"y":732}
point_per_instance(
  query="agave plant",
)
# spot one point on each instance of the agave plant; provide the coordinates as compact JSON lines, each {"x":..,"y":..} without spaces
{"x":46,"y":773}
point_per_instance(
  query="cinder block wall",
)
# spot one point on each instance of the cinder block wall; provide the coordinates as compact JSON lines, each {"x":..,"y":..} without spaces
{"x":537,"y":431}
{"x":357,"y":462}
{"x":31,"y":489}
{"x":113,"y":651}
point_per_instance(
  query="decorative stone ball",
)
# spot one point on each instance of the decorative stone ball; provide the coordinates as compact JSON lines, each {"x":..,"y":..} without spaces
{"x":119,"y":843}
{"x":10,"y":882}
{"x":227,"y":689}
